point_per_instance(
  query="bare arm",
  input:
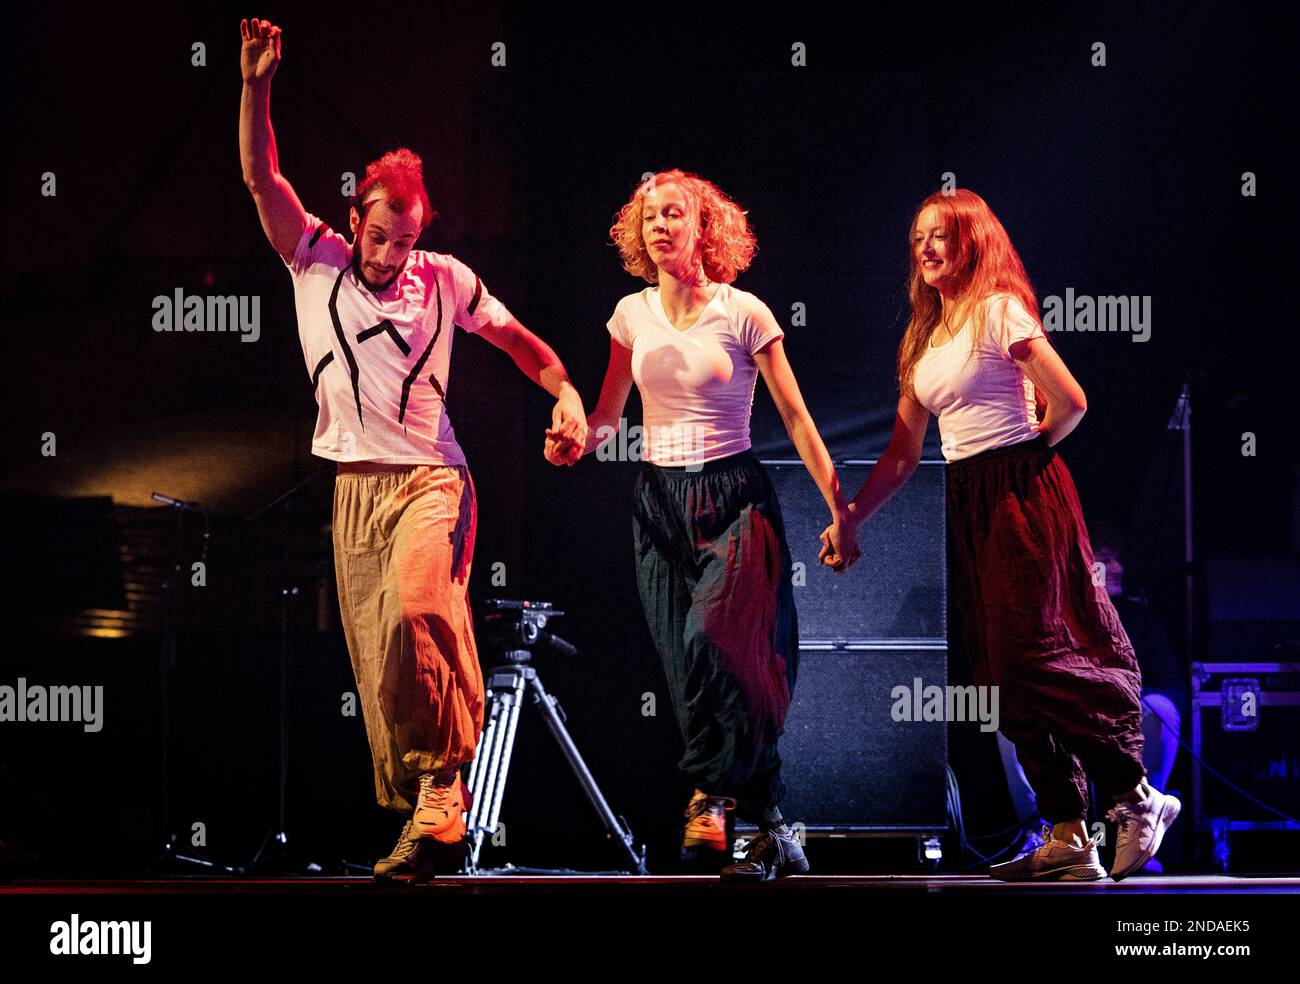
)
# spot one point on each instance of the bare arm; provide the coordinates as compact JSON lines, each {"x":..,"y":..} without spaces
{"x":602,"y":424}
{"x":1066,"y":403}
{"x":534,"y":357}
{"x":614,"y":392}
{"x":538,"y":362}
{"x":283,"y":217}
{"x":898,"y":462}
{"x":890,"y":473}
{"x":778,"y":375}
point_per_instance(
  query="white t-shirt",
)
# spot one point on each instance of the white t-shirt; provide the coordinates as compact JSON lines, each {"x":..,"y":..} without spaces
{"x":379,"y":362}
{"x":697,"y":386}
{"x":984,"y":400}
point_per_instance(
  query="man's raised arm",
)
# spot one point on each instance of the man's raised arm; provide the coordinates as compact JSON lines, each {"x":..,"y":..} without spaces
{"x":282,"y":215}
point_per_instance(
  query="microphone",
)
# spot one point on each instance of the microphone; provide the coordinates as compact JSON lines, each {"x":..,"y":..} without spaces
{"x":174,"y":503}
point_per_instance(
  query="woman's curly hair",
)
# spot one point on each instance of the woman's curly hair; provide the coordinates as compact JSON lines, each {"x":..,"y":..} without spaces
{"x":725,"y":246}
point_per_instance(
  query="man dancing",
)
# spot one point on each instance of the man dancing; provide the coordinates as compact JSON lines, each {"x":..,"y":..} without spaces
{"x":376,"y":319}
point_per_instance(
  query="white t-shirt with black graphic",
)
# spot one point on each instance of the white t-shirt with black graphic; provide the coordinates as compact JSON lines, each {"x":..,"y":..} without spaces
{"x":697,"y":385}
{"x":379,"y":362}
{"x":983,"y":399}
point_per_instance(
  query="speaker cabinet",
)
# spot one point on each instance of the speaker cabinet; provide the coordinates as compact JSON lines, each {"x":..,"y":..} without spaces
{"x":848,"y":765}
{"x":898,"y":590}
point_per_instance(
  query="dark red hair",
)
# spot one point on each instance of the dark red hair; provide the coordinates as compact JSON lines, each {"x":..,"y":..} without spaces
{"x":400,"y":173}
{"x":984,"y":264}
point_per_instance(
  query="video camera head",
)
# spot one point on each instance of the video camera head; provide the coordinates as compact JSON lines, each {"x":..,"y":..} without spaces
{"x":518,"y":624}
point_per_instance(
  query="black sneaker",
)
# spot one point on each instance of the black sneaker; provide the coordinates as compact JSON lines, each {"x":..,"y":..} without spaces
{"x":412,"y":859}
{"x":770,"y":855}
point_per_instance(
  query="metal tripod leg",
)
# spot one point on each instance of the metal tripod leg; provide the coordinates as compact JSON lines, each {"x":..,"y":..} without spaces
{"x":487,"y":776}
{"x":615,"y":829}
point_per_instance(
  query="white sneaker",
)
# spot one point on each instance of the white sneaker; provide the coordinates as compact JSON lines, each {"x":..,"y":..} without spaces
{"x":1141,"y":828}
{"x":1056,"y":860}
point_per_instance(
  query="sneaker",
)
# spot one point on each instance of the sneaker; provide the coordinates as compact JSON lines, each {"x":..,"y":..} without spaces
{"x":411,"y":860}
{"x":772,"y":854}
{"x":440,"y":807}
{"x":1141,"y":828}
{"x":1056,"y":860}
{"x":706,"y":823}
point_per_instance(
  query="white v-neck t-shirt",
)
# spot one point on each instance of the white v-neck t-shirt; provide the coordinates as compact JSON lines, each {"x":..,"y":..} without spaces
{"x":379,"y":362}
{"x":983,"y":399}
{"x":697,"y":385}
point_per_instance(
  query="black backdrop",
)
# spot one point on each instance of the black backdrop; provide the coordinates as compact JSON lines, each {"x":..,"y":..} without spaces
{"x":1116,"y":180}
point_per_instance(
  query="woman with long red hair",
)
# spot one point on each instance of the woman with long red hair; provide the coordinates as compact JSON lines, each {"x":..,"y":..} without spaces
{"x":713,"y":567}
{"x":1037,"y":626}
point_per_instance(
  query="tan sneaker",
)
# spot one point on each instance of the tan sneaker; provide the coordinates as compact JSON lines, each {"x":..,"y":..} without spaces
{"x":440,"y":809}
{"x":411,"y":861}
{"x":706,"y":822}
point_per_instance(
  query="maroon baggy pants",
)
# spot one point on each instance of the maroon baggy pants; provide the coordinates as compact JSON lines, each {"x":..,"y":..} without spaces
{"x":1042,"y":629}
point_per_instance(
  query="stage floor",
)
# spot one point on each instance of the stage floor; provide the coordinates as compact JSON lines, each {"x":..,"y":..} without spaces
{"x":588,"y":885}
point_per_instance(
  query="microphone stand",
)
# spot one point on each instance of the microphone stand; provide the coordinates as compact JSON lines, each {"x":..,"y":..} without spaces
{"x":273,"y":854}
{"x":167,"y":662}
{"x":1181,"y":420}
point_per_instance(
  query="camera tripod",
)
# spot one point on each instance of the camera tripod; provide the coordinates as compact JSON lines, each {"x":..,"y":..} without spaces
{"x":514,"y":628}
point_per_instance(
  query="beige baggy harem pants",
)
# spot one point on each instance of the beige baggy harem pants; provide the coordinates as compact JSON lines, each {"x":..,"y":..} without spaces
{"x":403,"y":545}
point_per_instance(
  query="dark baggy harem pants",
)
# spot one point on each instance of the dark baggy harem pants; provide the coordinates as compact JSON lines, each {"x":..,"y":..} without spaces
{"x":714,"y":574}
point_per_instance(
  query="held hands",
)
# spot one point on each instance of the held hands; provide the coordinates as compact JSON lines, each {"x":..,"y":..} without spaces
{"x":566,"y":438}
{"x":260,"y":55}
{"x":840,"y":549}
{"x":559,"y":450}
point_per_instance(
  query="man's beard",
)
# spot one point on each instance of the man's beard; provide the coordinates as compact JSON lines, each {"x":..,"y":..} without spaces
{"x":357,"y":271}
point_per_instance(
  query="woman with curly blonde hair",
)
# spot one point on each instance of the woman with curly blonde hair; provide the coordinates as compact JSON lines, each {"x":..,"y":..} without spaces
{"x":713,"y":568}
